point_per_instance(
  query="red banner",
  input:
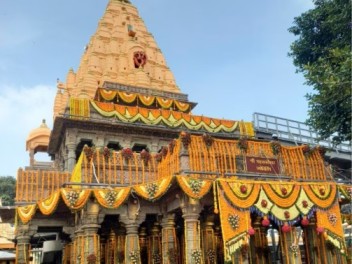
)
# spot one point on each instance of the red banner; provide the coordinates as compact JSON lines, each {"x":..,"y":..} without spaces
{"x":262,"y":165}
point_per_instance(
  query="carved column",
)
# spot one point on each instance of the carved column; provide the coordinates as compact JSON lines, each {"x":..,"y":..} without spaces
{"x":191,"y":209}
{"x":71,"y":156}
{"x":132,"y":219}
{"x":143,"y":244}
{"x":90,"y":228}
{"x":23,"y":244}
{"x":311,"y":242}
{"x":209,"y":248}
{"x":31,"y":157}
{"x":154,"y":245}
{"x":168,"y":233}
{"x":120,"y":244}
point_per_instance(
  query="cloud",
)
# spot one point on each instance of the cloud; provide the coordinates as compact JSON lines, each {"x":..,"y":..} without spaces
{"x":22,"y":109}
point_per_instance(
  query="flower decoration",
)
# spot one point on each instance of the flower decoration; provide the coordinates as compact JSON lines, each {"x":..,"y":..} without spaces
{"x":172,"y":145}
{"x":164,"y":151}
{"x":145,"y":156}
{"x":72,"y":197}
{"x":287,"y":214}
{"x":332,"y":219}
{"x":243,"y":189}
{"x":152,"y":188}
{"x":185,"y":138}
{"x":107,"y":153}
{"x":304,"y":204}
{"x":211,"y":255}
{"x":243,"y":144}
{"x":110,"y":197}
{"x":234,"y":221}
{"x":265,"y":221}
{"x":251,"y":231}
{"x":89,"y":152}
{"x":322,"y":191}
{"x":307,"y":150}
{"x":286,"y":228}
{"x":156,"y":258}
{"x":244,"y":249}
{"x":208,"y":140}
{"x":92,"y":259}
{"x":127,"y":153}
{"x":321,"y":150}
{"x":294,"y":249}
{"x":275,"y":147}
{"x":196,"y":256}
{"x":284,"y":191}
{"x":304,"y":221}
{"x":134,"y":256}
{"x":195,"y":185}
{"x":158,"y":157}
{"x":320,"y":230}
{"x":264,"y":203}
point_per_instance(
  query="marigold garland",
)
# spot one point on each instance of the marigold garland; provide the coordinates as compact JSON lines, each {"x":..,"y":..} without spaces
{"x":303,"y":203}
{"x":121,"y":196}
{"x":321,"y":201}
{"x":26,"y":212}
{"x":234,"y":199}
{"x":263,"y":204}
{"x":163,"y":186}
{"x":185,"y":183}
{"x":79,"y":107}
{"x":48,"y":206}
{"x":273,"y":192}
{"x":83,"y":196}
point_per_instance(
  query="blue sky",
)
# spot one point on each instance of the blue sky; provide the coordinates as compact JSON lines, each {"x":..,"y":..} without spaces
{"x":230,"y":56}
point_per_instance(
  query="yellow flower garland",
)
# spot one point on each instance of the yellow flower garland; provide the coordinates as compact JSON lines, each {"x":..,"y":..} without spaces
{"x":184,"y":183}
{"x":47,"y":206}
{"x":303,"y":199}
{"x":263,"y":197}
{"x":163,"y":186}
{"x":26,"y":212}
{"x":83,"y":196}
{"x":241,"y":203}
{"x":121,"y":196}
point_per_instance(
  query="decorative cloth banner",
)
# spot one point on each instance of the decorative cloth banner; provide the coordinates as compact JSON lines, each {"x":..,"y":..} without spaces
{"x":131,"y":114}
{"x":112,"y":198}
{"x":234,"y":225}
{"x":26,"y":212}
{"x":331,"y":221}
{"x":153,"y":190}
{"x":194,"y":188}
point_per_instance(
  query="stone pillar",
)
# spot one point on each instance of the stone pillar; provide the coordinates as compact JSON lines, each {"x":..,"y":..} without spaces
{"x":132,"y":249}
{"x":259,"y":243}
{"x":120,"y":244}
{"x":31,"y":157}
{"x":90,"y":228}
{"x":191,"y":209}
{"x":168,"y":239}
{"x":289,"y":247}
{"x":311,"y":243}
{"x":71,"y":156}
{"x":154,"y":245}
{"x":209,"y":246}
{"x":22,"y":249}
{"x":143,"y":244}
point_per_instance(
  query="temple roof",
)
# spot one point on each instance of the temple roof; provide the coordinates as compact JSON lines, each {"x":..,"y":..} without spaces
{"x":38,"y":137}
{"x":120,"y":51}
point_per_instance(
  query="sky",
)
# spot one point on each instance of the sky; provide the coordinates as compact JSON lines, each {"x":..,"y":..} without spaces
{"x":229,"y":56}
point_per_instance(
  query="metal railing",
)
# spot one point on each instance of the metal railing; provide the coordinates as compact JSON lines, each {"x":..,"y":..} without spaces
{"x":295,"y":131}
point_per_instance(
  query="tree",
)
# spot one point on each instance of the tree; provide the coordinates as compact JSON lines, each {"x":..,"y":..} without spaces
{"x":322,"y":53}
{"x":7,"y":190}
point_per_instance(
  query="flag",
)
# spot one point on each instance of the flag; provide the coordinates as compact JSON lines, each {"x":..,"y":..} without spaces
{"x":77,"y":172}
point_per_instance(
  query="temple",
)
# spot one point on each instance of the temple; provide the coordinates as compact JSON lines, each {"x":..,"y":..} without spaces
{"x":135,"y":177}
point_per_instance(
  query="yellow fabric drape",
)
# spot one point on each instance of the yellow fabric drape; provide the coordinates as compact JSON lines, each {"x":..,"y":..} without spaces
{"x":103,"y":200}
{"x":76,"y":176}
{"x":185,"y":183}
{"x":26,"y":212}
{"x":48,"y":206}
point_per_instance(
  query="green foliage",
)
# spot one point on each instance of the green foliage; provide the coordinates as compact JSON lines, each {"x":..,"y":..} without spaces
{"x":322,"y":53}
{"x":7,"y":190}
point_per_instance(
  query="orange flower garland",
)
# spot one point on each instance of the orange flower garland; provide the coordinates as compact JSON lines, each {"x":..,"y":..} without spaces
{"x":26,"y":212}
{"x":321,"y":200}
{"x":79,"y":202}
{"x":275,"y":192}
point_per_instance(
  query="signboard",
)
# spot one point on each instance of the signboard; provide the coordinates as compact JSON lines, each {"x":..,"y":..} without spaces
{"x":262,"y":165}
